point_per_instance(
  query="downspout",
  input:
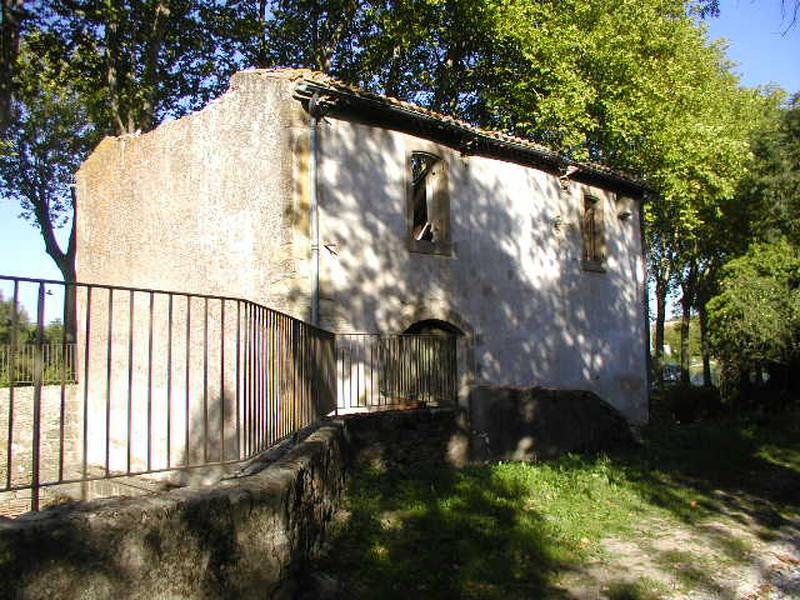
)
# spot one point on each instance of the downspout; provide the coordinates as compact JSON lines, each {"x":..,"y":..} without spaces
{"x":315,"y":113}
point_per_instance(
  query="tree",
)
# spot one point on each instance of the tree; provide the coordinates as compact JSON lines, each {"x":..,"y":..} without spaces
{"x":136,"y":62}
{"x":8,"y":333}
{"x":756,"y":317}
{"x":50,"y":136}
{"x":754,"y":314}
{"x":771,"y":191}
{"x":12,"y":16}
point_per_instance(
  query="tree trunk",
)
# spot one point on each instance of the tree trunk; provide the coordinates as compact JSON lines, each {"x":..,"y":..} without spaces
{"x":262,"y":53}
{"x":113,"y":76}
{"x":151,"y":74}
{"x":661,"y":317}
{"x":65,"y":261}
{"x":686,"y":316}
{"x":70,"y":308}
{"x":392,"y":86}
{"x":688,"y":296}
{"x":704,"y":344}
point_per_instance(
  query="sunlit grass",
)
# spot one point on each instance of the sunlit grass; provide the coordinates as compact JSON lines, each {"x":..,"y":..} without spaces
{"x":509,"y":530}
{"x":643,"y":588}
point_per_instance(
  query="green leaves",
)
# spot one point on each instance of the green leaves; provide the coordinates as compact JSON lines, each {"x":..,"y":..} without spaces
{"x":136,"y":62}
{"x":51,"y":134}
{"x":756,"y":317}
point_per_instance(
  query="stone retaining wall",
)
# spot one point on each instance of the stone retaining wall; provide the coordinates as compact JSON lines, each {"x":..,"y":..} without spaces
{"x":516,"y":423}
{"x":243,"y":537}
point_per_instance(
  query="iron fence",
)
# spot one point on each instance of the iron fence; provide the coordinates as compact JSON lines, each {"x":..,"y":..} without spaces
{"x":147,"y":381}
{"x":16,"y":363}
{"x":374,"y":371}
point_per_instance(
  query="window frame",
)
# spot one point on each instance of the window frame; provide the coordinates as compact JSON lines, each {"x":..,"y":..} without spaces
{"x":443,"y":247}
{"x":594,"y":251}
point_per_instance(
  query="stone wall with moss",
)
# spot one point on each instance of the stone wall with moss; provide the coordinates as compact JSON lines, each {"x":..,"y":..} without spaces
{"x":244,"y":537}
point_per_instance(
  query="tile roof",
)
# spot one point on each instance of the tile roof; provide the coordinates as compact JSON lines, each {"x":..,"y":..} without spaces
{"x":311,"y":81}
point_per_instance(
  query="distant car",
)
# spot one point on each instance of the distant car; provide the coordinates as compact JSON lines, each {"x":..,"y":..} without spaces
{"x":672,"y":373}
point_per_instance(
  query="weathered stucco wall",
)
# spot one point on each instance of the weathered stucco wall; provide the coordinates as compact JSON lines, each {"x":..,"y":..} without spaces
{"x":515,"y":277}
{"x":218,"y":203}
{"x":202,"y":204}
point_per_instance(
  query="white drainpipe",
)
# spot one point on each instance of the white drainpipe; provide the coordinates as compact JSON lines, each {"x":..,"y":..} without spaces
{"x":314,"y":112}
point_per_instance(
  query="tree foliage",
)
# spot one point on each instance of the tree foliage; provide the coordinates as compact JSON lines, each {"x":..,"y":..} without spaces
{"x":771,"y":191}
{"x":50,"y":136}
{"x":756,"y":317}
{"x":136,"y":62}
{"x":9,"y":317}
{"x":12,"y":16}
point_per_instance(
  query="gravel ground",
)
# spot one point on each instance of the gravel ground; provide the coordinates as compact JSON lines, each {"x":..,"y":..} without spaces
{"x":736,"y":557}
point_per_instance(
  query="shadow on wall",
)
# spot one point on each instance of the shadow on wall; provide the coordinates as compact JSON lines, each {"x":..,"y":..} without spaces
{"x":515,"y":275}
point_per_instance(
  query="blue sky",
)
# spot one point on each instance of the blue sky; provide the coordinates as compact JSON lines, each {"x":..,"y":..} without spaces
{"x":756,"y":42}
{"x":753,"y":28}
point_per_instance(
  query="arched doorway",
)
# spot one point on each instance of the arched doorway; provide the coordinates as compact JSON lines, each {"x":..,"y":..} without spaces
{"x":449,"y":324}
{"x":433,"y":327}
{"x":420,"y":365}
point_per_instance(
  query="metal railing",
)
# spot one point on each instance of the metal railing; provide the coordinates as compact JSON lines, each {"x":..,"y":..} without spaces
{"x":16,"y":363}
{"x":152,"y":381}
{"x":376,"y":371}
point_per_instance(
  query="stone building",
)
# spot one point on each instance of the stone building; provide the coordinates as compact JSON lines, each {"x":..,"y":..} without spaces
{"x":367,"y":214}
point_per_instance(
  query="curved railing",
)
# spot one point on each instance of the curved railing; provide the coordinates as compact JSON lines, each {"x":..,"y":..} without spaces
{"x":145,"y":381}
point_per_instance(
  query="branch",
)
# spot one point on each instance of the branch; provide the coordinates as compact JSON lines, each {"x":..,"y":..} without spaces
{"x":150,"y":76}
{"x":10,"y":20}
{"x":112,"y":52}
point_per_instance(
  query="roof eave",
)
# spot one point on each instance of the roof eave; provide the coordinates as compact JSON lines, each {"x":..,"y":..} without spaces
{"x":340,"y":102}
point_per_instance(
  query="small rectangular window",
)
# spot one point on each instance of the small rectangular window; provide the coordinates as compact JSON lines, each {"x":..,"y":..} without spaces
{"x":428,"y":205}
{"x":593,"y":234}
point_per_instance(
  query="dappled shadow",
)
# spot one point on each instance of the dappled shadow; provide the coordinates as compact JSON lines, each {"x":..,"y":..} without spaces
{"x":718,"y":467}
{"x":514,"y":281}
{"x":720,"y":478}
{"x":438,"y":533}
{"x":416,"y":528}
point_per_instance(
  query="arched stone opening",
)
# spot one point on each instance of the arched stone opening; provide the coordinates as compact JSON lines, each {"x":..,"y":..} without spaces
{"x":450,"y":325}
{"x":433,"y":327}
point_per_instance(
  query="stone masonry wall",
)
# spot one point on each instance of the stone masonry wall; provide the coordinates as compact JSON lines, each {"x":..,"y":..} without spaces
{"x":243,"y":537}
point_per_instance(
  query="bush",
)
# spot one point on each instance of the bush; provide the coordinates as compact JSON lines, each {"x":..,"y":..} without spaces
{"x":686,"y":404}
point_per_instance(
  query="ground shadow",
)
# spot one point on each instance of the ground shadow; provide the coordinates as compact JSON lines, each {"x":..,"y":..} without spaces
{"x":417,"y":528}
{"x":729,"y":466}
{"x":438,"y":533}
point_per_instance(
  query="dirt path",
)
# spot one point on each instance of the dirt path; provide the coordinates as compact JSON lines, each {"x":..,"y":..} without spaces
{"x":736,"y":556}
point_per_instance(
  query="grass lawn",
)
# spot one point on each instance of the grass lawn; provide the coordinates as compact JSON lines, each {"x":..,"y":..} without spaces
{"x":694,"y":499}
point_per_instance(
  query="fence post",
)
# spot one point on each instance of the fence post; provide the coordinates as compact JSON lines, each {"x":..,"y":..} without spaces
{"x":38,"y":367}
